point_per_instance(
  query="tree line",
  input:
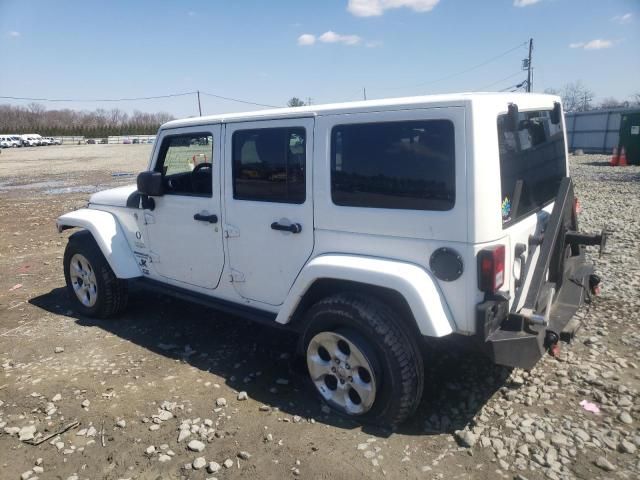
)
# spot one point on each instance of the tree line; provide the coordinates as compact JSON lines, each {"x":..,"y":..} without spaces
{"x":100,"y":123}
{"x":577,"y":97}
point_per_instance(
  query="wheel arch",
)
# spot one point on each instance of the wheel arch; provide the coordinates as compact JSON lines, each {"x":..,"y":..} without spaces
{"x":404,"y":286}
{"x":108,"y":235}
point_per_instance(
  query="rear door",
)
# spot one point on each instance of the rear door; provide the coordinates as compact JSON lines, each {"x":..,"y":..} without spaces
{"x":533,"y":162}
{"x":268,"y":205}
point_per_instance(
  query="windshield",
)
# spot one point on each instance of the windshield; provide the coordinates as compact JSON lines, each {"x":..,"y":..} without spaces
{"x":532,"y":163}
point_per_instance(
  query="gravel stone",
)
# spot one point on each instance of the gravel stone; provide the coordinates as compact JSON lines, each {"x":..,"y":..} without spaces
{"x":221,"y":402}
{"x":196,"y":446}
{"x":466,"y":438}
{"x":213,"y":467}
{"x":199,"y":463}
{"x":242,"y":396}
{"x":626,"y":447}
{"x":228,"y":463}
{"x":624,"y":417}
{"x":605,"y":464}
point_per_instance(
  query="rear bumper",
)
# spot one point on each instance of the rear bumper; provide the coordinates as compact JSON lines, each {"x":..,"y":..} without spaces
{"x":512,"y":341}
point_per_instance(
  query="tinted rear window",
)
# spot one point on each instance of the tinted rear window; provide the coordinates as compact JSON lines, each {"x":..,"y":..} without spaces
{"x":532,"y":164}
{"x":401,"y":165}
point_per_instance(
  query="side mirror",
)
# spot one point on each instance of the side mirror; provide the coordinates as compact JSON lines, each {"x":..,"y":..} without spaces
{"x":150,"y":183}
{"x":513,"y":117}
{"x":556,"y":113}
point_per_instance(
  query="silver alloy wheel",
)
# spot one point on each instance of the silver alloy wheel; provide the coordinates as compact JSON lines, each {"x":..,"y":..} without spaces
{"x":83,"y":280}
{"x":341,"y":372}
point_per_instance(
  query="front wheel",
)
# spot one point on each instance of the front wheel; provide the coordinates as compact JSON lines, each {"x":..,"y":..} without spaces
{"x":91,"y":284}
{"x":362,"y":359}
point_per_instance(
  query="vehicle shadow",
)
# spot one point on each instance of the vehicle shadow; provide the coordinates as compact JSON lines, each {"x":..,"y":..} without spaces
{"x":256,"y":358}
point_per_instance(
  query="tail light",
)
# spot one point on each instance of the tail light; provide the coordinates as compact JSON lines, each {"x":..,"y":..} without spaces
{"x":491,"y":268}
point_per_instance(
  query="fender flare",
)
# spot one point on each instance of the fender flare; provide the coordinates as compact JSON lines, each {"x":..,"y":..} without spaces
{"x":109,"y":236}
{"x":417,"y":286}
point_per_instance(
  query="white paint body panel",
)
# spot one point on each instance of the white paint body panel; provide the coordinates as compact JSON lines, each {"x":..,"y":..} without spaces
{"x":116,"y":197}
{"x":258,"y":253}
{"x":182,"y":249}
{"x":109,"y":236}
{"x":415,"y":284}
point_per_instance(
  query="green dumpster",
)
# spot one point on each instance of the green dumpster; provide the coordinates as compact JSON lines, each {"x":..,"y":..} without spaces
{"x":630,"y":136}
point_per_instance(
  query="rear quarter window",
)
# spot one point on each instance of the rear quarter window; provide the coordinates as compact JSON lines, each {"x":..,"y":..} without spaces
{"x":399,"y":165}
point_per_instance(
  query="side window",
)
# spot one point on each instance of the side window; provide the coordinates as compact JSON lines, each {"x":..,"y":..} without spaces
{"x":186,"y":164}
{"x":269,"y":165}
{"x":401,"y":165}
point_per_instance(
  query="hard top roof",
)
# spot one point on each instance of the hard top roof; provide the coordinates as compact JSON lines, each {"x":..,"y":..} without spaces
{"x":337,"y":108}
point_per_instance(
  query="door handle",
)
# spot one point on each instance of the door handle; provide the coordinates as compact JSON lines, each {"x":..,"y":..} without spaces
{"x":206,"y":218}
{"x":293,"y":228}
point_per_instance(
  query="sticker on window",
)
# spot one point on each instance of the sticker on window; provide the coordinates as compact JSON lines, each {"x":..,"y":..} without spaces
{"x":635,"y":129}
{"x":506,"y":210}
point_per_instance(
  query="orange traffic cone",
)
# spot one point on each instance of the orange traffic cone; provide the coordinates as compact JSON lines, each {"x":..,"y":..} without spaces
{"x":615,"y":159}
{"x":623,"y":158}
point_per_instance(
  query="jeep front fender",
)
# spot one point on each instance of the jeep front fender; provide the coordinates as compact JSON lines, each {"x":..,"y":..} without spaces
{"x":415,"y":284}
{"x":109,"y":236}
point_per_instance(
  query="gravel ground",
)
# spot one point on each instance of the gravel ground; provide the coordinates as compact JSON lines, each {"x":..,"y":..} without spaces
{"x":173,"y":390}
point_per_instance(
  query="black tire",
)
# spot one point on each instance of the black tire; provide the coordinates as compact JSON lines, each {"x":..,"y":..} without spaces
{"x":112,"y":293}
{"x":397,"y":361}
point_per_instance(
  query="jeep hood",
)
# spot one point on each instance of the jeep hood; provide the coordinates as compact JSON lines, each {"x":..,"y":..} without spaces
{"x":115,"y":197}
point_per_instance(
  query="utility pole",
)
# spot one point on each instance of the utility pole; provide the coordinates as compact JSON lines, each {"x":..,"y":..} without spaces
{"x":199,"y":107}
{"x":364,"y":92}
{"x":529,"y":69}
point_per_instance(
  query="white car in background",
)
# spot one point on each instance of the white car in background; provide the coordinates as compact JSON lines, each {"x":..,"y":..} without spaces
{"x":31,"y":140}
{"x":7,"y":141}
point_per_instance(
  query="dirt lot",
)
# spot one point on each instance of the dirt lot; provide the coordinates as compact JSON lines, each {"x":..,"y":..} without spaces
{"x":167,"y":367}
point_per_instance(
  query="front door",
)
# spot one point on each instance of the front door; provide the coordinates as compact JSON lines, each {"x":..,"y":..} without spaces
{"x":183,"y":229}
{"x":268,"y":205}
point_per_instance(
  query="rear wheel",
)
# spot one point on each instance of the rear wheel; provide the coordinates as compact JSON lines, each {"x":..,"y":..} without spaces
{"x":362,"y":360}
{"x":91,"y":284}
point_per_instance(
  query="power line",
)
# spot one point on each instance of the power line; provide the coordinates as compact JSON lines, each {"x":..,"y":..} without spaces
{"x":500,"y":81}
{"x":132,"y":99}
{"x":79,"y":100}
{"x":462,"y":72}
{"x":237,"y":100}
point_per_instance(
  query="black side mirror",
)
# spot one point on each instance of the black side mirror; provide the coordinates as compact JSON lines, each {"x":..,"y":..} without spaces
{"x":556,"y":113}
{"x":513,"y":117}
{"x":150,"y":183}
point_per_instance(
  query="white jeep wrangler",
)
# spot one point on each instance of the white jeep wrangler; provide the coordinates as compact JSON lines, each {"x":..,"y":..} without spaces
{"x":363,"y":226}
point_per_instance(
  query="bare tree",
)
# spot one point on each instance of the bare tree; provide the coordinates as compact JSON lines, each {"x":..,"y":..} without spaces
{"x":295,"y":102}
{"x":611,"y":102}
{"x":576,"y":97}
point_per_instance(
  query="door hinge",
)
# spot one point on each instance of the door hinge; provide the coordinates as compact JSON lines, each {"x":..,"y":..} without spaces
{"x":231,"y":231}
{"x":236,"y":276}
